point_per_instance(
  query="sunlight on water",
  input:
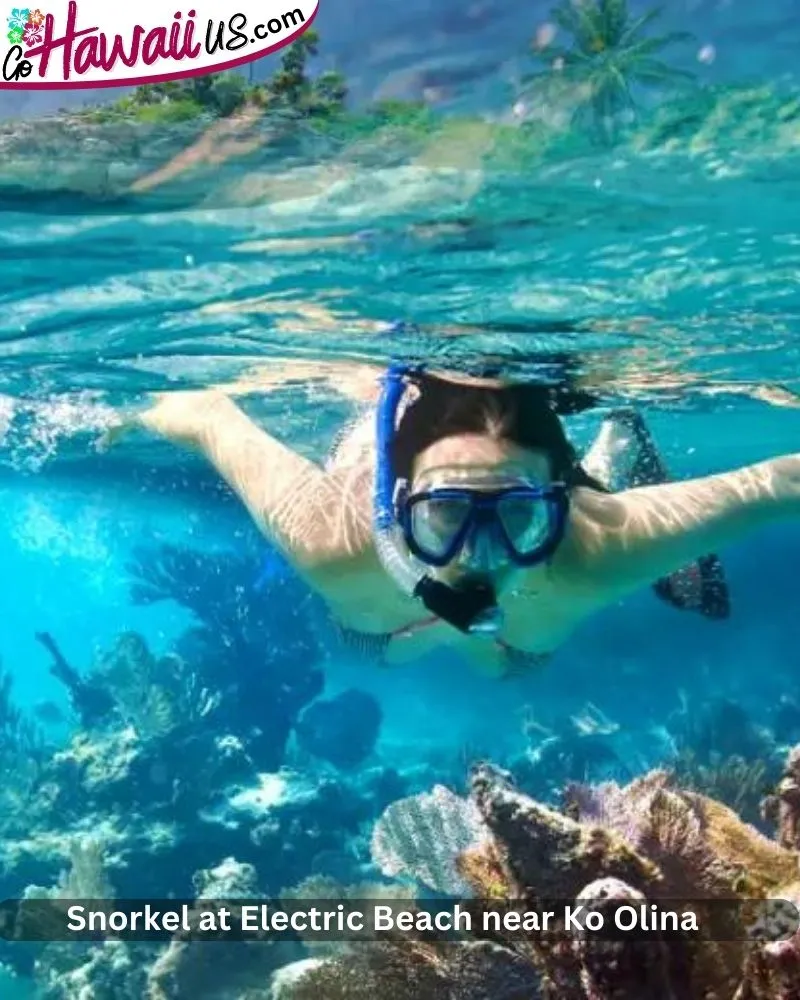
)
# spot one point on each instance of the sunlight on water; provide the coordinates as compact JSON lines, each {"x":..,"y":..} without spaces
{"x":655,"y":266}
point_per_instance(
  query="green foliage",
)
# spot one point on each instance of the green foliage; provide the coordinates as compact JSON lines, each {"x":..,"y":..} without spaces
{"x":610,"y":55}
{"x":290,"y":89}
{"x":330,"y":91}
{"x":168,"y":111}
{"x":290,"y":93}
{"x":219,"y":94}
{"x":394,"y":112}
{"x":289,"y":84}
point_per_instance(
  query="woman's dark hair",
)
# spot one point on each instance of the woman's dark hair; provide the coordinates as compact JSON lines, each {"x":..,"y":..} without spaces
{"x":526,"y":414}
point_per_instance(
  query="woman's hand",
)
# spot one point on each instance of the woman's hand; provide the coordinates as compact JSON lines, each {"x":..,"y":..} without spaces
{"x":177,"y":416}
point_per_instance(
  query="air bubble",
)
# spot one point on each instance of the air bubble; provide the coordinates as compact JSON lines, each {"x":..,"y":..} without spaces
{"x":545,"y":35}
{"x":707,"y":54}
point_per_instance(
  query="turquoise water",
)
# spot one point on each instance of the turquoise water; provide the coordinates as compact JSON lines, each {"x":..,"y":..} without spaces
{"x":666,"y":268}
{"x":670,"y":277}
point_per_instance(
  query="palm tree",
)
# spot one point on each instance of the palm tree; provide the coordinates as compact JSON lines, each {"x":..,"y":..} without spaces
{"x":329,"y":91}
{"x":610,"y":55}
{"x":290,"y":83}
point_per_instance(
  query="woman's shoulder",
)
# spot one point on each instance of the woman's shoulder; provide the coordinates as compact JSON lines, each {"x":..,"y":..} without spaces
{"x":594,"y":518}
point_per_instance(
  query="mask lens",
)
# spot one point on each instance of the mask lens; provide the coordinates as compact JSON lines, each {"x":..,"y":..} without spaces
{"x":436,"y":523}
{"x":526,"y":522}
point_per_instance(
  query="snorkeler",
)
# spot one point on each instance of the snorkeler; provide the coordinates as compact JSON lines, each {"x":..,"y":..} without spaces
{"x":458,"y":514}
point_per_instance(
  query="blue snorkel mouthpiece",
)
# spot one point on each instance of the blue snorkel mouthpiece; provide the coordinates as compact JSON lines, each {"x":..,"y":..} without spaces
{"x":472,"y":609}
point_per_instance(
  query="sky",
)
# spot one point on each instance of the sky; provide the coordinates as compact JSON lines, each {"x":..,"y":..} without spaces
{"x":478,"y":47}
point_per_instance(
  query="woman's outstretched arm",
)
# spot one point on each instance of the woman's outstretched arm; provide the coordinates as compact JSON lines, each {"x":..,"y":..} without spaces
{"x":628,"y":540}
{"x":309,"y":514}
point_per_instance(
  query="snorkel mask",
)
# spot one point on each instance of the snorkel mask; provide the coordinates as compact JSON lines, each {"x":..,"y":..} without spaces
{"x":499,"y":519}
{"x":521,"y":522}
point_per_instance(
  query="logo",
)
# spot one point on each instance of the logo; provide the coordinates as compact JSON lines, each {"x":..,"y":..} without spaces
{"x":95,"y":44}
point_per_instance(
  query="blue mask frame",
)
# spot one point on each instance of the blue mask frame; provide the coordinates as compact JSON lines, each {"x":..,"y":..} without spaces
{"x":483,"y":512}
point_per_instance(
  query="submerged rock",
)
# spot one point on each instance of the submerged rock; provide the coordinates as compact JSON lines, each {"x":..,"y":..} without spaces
{"x":341,"y":730}
{"x":211,"y":966}
{"x":230,"y":879}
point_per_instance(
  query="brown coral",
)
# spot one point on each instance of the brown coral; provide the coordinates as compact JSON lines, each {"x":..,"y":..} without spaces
{"x":412,"y":970}
{"x":545,"y":854}
{"x":783,"y":808}
{"x":763,"y":866}
{"x":702,"y":848}
{"x":646,"y":842}
{"x":734,"y":780}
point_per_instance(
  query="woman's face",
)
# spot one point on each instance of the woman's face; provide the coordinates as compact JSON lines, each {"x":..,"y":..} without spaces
{"x":478,"y":461}
{"x":469,"y":453}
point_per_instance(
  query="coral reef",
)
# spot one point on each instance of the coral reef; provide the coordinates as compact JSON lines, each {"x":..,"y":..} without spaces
{"x":264,"y":686}
{"x":712,"y":746}
{"x":783,"y":807}
{"x":65,"y":970}
{"x":478,"y":970}
{"x":733,"y":780}
{"x":722,"y":753}
{"x":182,"y":758}
{"x":154,"y":696}
{"x":205,"y":970}
{"x":318,"y":888}
{"x":113,"y":969}
{"x":217,"y":970}
{"x":648,"y":842}
{"x":222,"y":748}
{"x":22,"y":752}
{"x":90,"y":702}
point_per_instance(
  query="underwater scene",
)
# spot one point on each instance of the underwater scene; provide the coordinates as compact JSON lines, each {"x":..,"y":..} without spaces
{"x":400,"y":492}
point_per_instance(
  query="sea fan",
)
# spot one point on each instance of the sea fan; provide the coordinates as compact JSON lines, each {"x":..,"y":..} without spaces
{"x":607,"y":804}
{"x":421,"y":837}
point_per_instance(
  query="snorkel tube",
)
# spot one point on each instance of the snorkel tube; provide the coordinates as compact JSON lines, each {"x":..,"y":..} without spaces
{"x":472,"y":609}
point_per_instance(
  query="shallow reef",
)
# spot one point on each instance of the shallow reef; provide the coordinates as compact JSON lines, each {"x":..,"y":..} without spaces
{"x":239,"y":602}
{"x":223,"y":745}
{"x":222,"y":770}
{"x":647,"y":842}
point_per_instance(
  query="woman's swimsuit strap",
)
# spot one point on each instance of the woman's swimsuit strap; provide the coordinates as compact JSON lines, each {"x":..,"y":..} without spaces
{"x":373,"y":646}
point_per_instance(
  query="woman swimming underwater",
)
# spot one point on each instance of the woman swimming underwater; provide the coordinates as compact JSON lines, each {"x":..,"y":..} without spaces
{"x":460,"y":515}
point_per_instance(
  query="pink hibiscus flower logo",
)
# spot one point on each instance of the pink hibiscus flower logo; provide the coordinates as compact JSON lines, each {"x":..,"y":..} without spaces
{"x":33,"y":34}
